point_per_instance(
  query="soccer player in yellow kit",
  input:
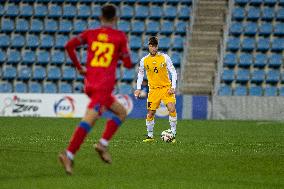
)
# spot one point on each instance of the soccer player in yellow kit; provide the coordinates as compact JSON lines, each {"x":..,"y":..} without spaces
{"x":161,"y":88}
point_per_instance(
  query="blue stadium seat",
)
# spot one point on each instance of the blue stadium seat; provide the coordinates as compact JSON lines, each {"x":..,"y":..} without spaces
{"x":181,"y":27}
{"x":96,"y":11}
{"x":270,"y":2}
{"x":22,"y":25}
{"x":281,"y":2}
{"x":266,"y":28}
{"x":2,"y":56}
{"x":125,"y":89}
{"x":177,"y":42}
{"x":135,"y":57}
{"x":93,"y":24}
{"x":255,"y":91}
{"x":155,"y":12}
{"x":243,"y":76}
{"x":55,"y":11}
{"x":233,"y":44}
{"x":238,"y":13}
{"x":225,"y":91}
{"x":65,"y":26}
{"x":241,"y":2}
{"x":40,"y":10}
{"x":39,"y":73}
{"x":78,"y":87}
{"x":5,"y":87}
{"x":14,"y":57}
{"x":26,"y":10}
{"x":236,"y":28}
{"x":281,"y":91}
{"x":138,"y":26}
{"x":64,"y":88}
{"x":1,"y":10}
{"x":79,"y":26}
{"x":141,"y":11}
{"x":4,"y":40}
{"x":49,"y":87}
{"x":230,"y":60}
{"x":129,"y":75}
{"x":32,"y":41}
{"x":11,"y":10}
{"x":53,"y":73}
{"x":135,"y":42}
{"x":152,"y":27}
{"x":248,"y":44}
{"x":126,"y":12}
{"x":255,"y":2}
{"x":258,"y":76}
{"x":60,"y":41}
{"x":46,"y":41}
{"x":272,"y":76}
{"x":176,"y":58}
{"x":170,"y":12}
{"x":24,"y":73}
{"x":18,"y":41}
{"x":277,"y":44}
{"x":124,"y":26}
{"x":250,"y":28}
{"x":69,"y":73}
{"x":260,"y":60}
{"x":69,"y":11}
{"x":36,"y":26}
{"x":184,"y":12}
{"x":268,"y":13}
{"x":20,"y":87}
{"x":279,"y":29}
{"x":263,"y":44}
{"x":270,"y":91}
{"x":228,"y":76}
{"x":9,"y":72}
{"x":167,"y":27}
{"x":253,"y":13}
{"x":35,"y":87}
{"x":28,"y":57}
{"x":165,"y":42}
{"x":246,"y":60}
{"x":57,"y":57}
{"x":118,"y":74}
{"x":84,"y":11}
{"x":240,"y":91}
{"x":43,"y":57}
{"x":7,"y":25}
{"x":50,"y":25}
{"x":275,"y":60}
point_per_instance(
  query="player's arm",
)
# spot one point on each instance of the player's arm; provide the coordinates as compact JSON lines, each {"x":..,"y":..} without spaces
{"x":140,"y":77}
{"x":173,"y":72}
{"x":125,"y":53}
{"x":71,"y":46}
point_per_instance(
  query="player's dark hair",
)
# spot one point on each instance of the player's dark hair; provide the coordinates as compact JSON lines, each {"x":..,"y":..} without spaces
{"x":108,"y":11}
{"x":153,"y":41}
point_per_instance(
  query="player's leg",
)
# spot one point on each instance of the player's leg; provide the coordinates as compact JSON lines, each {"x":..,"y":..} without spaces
{"x":92,"y":114}
{"x":111,"y":127}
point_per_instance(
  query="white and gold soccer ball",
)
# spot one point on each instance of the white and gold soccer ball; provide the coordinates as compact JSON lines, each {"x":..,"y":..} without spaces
{"x":167,"y":135}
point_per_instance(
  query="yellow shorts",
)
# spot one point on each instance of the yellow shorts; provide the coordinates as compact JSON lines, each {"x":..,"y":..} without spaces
{"x":155,"y":96}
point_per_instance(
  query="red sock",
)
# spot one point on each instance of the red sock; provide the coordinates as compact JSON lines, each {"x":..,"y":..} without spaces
{"x":78,"y":137}
{"x":111,"y":127}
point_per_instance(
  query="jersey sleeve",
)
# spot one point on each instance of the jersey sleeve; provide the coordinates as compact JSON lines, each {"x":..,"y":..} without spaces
{"x":172,"y":70}
{"x":140,"y":74}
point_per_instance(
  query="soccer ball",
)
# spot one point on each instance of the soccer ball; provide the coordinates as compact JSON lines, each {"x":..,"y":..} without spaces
{"x":167,"y":135}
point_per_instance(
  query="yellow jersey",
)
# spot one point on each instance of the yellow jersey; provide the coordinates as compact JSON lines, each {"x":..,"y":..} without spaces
{"x":157,"y":71}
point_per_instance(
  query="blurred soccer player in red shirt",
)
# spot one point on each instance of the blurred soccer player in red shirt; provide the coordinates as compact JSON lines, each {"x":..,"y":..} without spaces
{"x":105,"y":46}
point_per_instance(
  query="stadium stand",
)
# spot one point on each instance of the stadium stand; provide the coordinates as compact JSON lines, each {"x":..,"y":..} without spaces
{"x":254,"y":50}
{"x":33,"y":35}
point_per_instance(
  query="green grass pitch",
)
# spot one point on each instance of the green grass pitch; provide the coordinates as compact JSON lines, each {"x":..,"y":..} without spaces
{"x":208,"y":154}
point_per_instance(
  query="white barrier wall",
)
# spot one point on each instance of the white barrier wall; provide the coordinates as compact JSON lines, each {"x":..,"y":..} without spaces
{"x":248,"y":108}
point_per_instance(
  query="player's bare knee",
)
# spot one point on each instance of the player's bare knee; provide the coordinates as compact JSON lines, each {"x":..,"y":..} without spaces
{"x":122,"y":114}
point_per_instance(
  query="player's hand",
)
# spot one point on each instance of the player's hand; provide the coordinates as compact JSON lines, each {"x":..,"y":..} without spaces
{"x":83,"y":71}
{"x":137,"y":93}
{"x":171,"y":91}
